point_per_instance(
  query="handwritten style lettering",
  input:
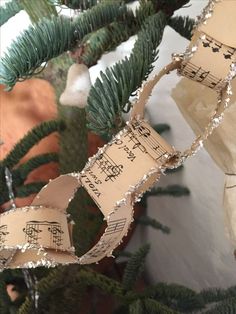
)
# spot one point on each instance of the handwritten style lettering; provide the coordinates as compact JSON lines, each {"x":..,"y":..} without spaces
{"x":95,"y":177}
{"x":137,"y":143}
{"x":130,"y":155}
{"x":149,"y":139}
{"x":91,"y":185}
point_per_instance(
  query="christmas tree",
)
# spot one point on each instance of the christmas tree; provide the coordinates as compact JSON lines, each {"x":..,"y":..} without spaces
{"x":53,"y":48}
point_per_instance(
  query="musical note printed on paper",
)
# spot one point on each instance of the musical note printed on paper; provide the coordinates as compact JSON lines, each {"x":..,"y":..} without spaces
{"x":198,"y":68}
{"x":107,"y":166}
{"x":199,"y":75}
{"x":137,"y":143}
{"x":217,"y":47}
{"x":3,"y":233}
{"x":34,"y":229}
{"x":150,"y":139}
{"x":56,"y":234}
{"x":229,"y":53}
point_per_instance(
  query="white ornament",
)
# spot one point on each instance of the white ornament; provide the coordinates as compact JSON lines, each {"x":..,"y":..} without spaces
{"x":78,"y":85}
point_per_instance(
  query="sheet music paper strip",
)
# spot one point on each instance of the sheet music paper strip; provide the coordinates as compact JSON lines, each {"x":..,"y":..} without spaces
{"x":212,"y":49}
{"x":115,"y":177}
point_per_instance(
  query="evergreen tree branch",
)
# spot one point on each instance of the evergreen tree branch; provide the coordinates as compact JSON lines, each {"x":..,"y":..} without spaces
{"x":172,"y":190}
{"x":123,"y":309}
{"x":20,"y":174}
{"x":108,"y":38}
{"x":122,"y":254}
{"x":30,"y":188}
{"x":105,"y":39}
{"x":45,"y":287}
{"x":74,"y":139}
{"x":182,"y":25}
{"x":106,"y":284}
{"x":76,"y":4}
{"x":155,"y":307}
{"x":176,"y":296}
{"x":216,"y":295}
{"x":136,"y":307}
{"x":148,"y":221}
{"x":226,"y":307}
{"x":168,"y":6}
{"x":82,"y":4}
{"x":135,"y":267}
{"x":110,"y":94}
{"x":10,"y":9}
{"x":48,"y":39}
{"x":29,"y":140}
{"x":4,"y":300}
{"x":174,"y":170}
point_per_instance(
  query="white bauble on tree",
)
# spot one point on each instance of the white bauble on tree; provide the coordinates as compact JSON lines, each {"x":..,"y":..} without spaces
{"x":77,"y":86}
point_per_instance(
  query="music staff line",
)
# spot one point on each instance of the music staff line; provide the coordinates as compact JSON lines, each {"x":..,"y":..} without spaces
{"x":216,"y":47}
{"x":137,"y":143}
{"x":150,"y":140}
{"x":109,"y":167}
{"x":32,"y":231}
{"x":202,"y":76}
{"x":114,"y":227}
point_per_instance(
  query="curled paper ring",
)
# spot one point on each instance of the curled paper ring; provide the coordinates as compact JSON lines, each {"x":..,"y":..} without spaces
{"x":115,"y":178}
{"x":217,"y":117}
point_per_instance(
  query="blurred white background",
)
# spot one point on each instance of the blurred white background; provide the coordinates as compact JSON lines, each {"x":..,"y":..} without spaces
{"x":197,"y":252}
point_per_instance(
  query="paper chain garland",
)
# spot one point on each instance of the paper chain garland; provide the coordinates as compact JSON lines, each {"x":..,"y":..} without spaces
{"x":122,"y":170}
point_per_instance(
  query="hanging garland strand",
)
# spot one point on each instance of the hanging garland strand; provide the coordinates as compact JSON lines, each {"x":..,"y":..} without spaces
{"x":29,"y":140}
{"x":182,"y":25}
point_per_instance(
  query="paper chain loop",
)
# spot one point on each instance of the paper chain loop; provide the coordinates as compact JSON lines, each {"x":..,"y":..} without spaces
{"x":122,"y":170}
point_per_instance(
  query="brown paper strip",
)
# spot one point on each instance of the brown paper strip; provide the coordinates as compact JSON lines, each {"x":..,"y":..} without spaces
{"x":212,"y":49}
{"x":221,"y":23}
{"x":37,"y":226}
{"x":118,"y":174}
{"x":115,"y":178}
{"x":212,"y":74}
